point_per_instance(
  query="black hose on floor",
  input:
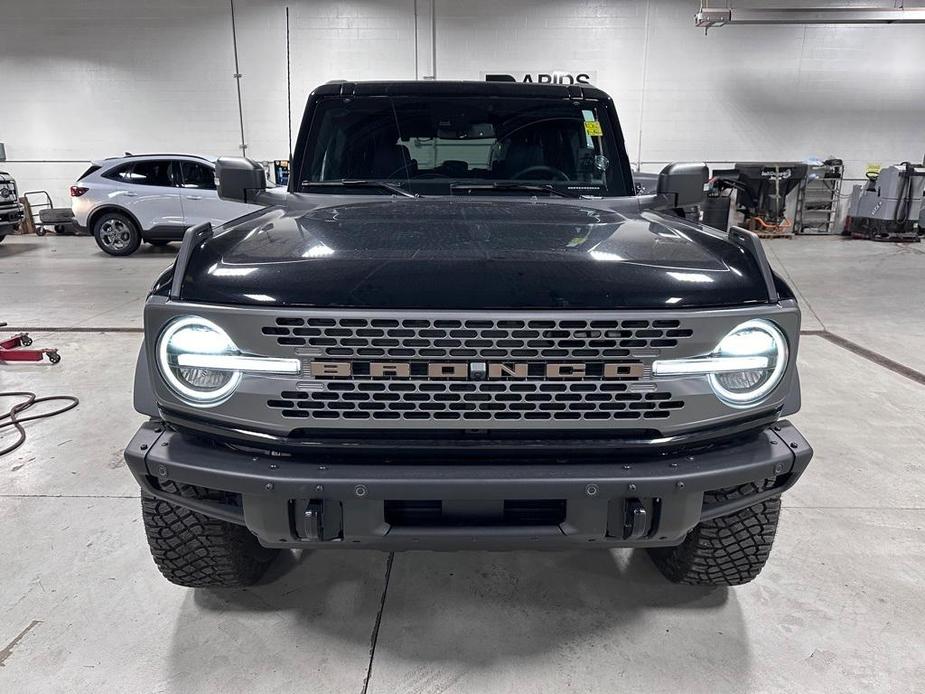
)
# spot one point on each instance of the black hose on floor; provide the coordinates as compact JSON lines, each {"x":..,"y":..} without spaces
{"x":31,"y":399}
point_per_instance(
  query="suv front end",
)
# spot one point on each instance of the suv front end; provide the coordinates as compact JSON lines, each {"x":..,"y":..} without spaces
{"x":11,"y":210}
{"x":498,"y":365}
{"x":277,"y":406}
{"x":364,"y":429}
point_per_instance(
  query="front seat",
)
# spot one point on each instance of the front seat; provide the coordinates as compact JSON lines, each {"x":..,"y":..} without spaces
{"x":391,"y":161}
{"x":521,"y":154}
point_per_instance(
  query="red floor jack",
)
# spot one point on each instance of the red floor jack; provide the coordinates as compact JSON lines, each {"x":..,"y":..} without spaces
{"x":12,"y":350}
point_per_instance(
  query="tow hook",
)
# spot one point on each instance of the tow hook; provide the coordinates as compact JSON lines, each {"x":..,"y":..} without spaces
{"x":636,"y":521}
{"x":312,"y":523}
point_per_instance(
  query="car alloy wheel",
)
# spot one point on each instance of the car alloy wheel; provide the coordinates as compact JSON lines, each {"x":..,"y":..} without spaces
{"x":115,"y":234}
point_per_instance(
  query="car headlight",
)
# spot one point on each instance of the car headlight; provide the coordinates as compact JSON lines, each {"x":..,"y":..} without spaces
{"x":188,"y":354}
{"x":203,"y":366}
{"x":746,"y":365}
{"x":757,"y":340}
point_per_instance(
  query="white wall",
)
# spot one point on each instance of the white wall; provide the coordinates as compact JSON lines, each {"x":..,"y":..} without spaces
{"x":89,"y":79}
{"x":95,"y":78}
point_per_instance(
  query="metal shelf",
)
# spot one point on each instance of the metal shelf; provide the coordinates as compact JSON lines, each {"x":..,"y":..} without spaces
{"x":817,"y":199}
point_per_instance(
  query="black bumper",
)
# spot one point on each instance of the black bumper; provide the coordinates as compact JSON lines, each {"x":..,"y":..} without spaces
{"x":10,"y":216}
{"x":295,"y":502}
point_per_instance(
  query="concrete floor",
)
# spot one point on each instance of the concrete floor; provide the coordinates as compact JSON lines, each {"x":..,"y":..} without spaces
{"x":840,"y":607}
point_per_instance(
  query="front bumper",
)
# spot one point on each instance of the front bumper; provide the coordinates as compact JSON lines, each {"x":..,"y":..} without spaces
{"x":11,"y":216}
{"x":320,"y":502}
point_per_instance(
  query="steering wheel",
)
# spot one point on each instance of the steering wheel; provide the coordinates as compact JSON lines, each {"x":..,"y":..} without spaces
{"x":557,"y":174}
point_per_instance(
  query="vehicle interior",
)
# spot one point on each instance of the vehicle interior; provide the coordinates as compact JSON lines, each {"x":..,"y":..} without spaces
{"x":439,"y":143}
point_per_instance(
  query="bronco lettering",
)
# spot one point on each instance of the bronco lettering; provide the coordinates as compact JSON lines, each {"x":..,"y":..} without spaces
{"x":477,"y":370}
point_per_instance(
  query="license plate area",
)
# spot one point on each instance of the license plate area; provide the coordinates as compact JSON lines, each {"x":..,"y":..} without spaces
{"x":418,"y":513}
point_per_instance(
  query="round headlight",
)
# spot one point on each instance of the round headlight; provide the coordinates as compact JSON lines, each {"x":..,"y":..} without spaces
{"x":181,"y":345}
{"x":759,"y":339}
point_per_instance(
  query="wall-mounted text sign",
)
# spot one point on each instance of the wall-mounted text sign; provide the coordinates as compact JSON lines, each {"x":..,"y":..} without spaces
{"x":551,"y":77}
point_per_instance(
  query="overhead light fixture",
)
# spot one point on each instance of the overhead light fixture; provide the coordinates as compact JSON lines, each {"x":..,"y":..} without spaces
{"x":710,"y":17}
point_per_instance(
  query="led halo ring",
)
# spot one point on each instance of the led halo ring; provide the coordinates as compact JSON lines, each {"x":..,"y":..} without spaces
{"x":190,"y":395}
{"x":752,"y":397}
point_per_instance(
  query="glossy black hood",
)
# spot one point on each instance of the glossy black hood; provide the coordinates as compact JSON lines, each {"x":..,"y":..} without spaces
{"x":464,"y":253}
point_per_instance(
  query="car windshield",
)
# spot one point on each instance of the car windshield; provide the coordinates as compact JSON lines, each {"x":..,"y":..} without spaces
{"x":464,"y":145}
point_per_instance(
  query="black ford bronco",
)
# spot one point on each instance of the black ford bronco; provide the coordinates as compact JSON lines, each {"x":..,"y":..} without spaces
{"x":461,"y":327}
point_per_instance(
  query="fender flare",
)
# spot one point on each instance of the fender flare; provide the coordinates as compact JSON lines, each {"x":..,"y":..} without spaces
{"x":794,"y":399}
{"x":143,"y":393}
{"x":103,"y":209}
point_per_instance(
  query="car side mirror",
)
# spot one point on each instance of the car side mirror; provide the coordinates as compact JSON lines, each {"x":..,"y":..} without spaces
{"x":682,"y":184}
{"x":239,"y":179}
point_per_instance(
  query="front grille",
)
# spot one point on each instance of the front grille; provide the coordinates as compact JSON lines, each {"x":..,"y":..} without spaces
{"x":406,"y":371}
{"x":485,"y":339}
{"x":7,"y":194}
{"x":429,"y":401}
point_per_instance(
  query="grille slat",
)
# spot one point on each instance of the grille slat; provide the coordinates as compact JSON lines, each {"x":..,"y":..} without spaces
{"x":436,"y":400}
{"x":488,"y":339}
{"x":421,"y":401}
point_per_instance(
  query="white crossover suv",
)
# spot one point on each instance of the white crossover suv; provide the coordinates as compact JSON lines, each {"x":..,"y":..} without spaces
{"x":154,"y":198}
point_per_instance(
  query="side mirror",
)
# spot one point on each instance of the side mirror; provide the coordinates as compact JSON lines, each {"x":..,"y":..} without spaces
{"x":683,"y":184}
{"x":239,"y":179}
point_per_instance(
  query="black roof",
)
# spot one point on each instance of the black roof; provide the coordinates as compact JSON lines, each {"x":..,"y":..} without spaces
{"x":458,"y":88}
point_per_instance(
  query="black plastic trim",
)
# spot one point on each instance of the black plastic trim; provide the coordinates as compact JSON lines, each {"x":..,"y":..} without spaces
{"x":143,"y":392}
{"x":436,"y":442}
{"x":164,"y":232}
{"x":193,"y":237}
{"x":269,"y":486}
{"x":103,"y":209}
{"x":752,"y":244}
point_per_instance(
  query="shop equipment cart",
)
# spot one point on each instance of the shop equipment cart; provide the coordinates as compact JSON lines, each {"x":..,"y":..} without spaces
{"x":16,"y":348}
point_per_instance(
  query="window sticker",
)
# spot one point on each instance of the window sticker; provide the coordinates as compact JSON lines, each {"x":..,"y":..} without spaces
{"x":593,"y":128}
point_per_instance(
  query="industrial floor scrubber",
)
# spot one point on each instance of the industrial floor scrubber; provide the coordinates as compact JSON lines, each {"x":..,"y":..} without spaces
{"x":889,"y":205}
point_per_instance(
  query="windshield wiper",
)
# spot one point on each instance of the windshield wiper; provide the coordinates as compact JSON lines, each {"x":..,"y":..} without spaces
{"x":526,"y":187}
{"x":356,"y":183}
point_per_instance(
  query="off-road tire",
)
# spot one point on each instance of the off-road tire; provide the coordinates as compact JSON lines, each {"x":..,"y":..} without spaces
{"x":726,"y":551}
{"x":197,"y":551}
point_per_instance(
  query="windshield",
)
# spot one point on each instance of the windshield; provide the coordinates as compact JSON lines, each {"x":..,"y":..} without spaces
{"x":464,"y":145}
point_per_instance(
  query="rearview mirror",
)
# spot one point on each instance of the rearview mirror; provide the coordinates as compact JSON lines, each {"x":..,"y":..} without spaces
{"x":683,"y":184}
{"x":463,"y":131}
{"x":239,"y":179}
